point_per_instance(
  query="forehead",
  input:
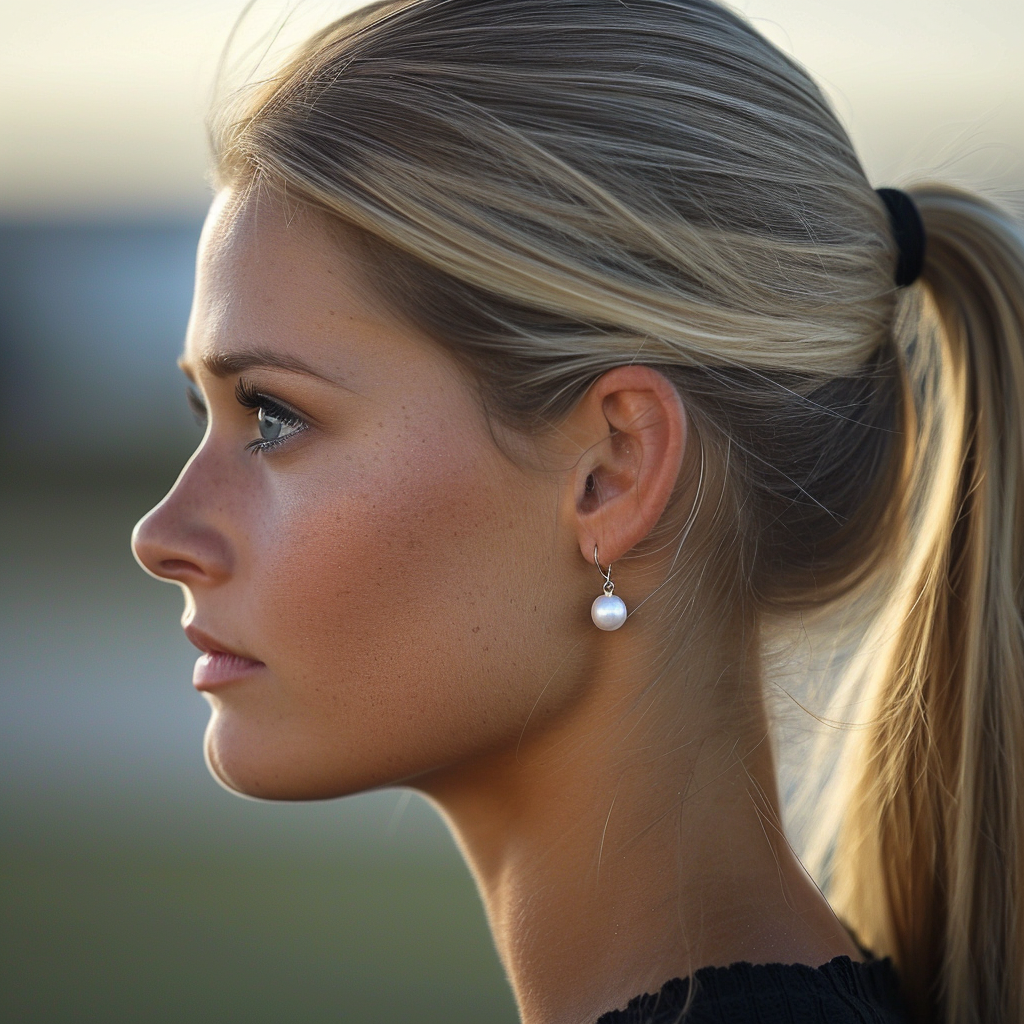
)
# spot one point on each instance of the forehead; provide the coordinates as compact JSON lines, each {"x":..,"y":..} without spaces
{"x":256,"y":248}
{"x":278,"y":278}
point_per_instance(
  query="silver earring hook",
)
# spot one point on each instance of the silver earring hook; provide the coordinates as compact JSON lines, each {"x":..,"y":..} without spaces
{"x":609,"y":587}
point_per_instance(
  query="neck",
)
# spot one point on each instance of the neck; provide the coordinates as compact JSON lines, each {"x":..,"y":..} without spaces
{"x":614,"y":851}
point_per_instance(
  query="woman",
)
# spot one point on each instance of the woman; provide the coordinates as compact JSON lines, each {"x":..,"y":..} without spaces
{"x":558,"y":356}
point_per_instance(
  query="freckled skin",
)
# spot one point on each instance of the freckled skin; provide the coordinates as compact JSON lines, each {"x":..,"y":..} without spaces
{"x":420,"y":604}
{"x":370,"y":561}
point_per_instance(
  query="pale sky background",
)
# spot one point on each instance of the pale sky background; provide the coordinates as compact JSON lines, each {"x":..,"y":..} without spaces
{"x":102,"y":102}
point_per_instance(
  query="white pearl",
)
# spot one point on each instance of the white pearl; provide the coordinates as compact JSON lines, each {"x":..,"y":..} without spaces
{"x":608,"y":611}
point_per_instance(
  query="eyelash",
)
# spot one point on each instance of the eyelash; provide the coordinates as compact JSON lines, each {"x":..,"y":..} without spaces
{"x":250,"y":398}
{"x":247,"y":396}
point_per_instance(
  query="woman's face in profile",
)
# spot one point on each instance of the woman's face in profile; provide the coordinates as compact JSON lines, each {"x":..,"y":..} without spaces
{"x":375,"y":584}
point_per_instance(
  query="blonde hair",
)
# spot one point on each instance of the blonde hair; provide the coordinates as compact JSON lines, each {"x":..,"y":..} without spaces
{"x":552,"y":189}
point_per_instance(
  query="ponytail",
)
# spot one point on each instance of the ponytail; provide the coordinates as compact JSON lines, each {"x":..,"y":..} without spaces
{"x":929,"y":866}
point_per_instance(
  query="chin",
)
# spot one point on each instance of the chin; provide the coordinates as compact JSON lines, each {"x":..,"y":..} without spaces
{"x":269,"y":764}
{"x":247,"y":767}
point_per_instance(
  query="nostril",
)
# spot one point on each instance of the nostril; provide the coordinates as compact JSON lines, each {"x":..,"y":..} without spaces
{"x":177,"y":567}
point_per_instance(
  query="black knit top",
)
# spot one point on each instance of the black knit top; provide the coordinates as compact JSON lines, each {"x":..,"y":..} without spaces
{"x":843,"y":991}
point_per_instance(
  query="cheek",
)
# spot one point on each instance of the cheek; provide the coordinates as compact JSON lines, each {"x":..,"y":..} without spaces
{"x":410,"y":612}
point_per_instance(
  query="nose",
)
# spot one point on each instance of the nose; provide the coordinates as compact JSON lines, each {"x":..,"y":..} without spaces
{"x":175,"y":541}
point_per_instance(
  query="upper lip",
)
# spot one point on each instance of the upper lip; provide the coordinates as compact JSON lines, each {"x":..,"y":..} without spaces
{"x":209,"y":645}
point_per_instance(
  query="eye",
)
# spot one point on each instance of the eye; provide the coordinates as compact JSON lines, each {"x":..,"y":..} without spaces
{"x":275,"y":421}
{"x":196,"y":405}
{"x":273,"y":425}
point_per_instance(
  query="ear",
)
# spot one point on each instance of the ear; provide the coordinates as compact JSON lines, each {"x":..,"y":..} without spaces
{"x":632,"y":427}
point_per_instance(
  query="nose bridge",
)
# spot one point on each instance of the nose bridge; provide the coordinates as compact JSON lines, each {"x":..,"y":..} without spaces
{"x":186,"y":537}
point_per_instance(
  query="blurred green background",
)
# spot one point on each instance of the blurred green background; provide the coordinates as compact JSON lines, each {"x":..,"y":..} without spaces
{"x":132,"y":888}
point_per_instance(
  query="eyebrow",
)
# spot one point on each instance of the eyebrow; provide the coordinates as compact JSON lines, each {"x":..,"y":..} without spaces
{"x":230,"y":364}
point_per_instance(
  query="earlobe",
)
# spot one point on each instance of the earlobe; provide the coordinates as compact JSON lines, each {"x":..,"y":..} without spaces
{"x":633,"y":428}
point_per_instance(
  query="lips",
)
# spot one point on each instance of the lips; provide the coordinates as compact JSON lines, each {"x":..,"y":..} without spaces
{"x":217,"y":665}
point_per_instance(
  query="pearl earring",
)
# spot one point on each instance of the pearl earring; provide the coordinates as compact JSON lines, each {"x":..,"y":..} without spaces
{"x":607,"y":611}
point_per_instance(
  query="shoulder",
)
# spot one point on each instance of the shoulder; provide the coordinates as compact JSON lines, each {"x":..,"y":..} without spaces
{"x":843,"y":991}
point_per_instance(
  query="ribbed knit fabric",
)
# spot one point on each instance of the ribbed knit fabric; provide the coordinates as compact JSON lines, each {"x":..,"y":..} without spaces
{"x":843,"y":991}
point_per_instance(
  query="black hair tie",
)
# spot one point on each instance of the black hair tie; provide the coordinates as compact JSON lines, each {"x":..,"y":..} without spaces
{"x":908,"y":230}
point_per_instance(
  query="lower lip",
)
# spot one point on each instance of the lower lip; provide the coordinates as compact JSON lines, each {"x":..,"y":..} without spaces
{"x":215,"y":670}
